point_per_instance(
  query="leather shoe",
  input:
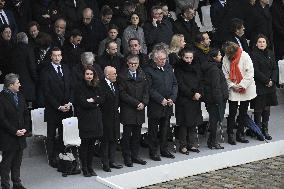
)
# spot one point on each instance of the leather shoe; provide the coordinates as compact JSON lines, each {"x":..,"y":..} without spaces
{"x":215,"y":146}
{"x":167,"y":154}
{"x":106,"y":168}
{"x":155,"y":157}
{"x":241,"y":139}
{"x":18,"y":186}
{"x":92,"y":172}
{"x":139,"y":161}
{"x":193,"y":149}
{"x":115,"y":165}
{"x":128,"y":163}
{"x":231,"y":140}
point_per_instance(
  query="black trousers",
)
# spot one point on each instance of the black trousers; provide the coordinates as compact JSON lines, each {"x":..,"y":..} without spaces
{"x":108,"y":149}
{"x":233,"y":107}
{"x":131,"y":141}
{"x":11,"y":162}
{"x":154,"y":126}
{"x":87,"y":152}
{"x":53,"y":146}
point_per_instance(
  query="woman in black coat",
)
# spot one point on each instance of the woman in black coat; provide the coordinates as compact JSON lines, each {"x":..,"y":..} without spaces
{"x":215,"y":94}
{"x":188,"y":104}
{"x":266,"y":76}
{"x":88,"y":97}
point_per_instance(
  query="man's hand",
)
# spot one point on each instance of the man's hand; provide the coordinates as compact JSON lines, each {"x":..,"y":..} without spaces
{"x":164,"y":102}
{"x":90,"y":100}
{"x":170,"y":102}
{"x":21,"y":132}
{"x":140,"y":106}
{"x":46,"y":16}
{"x":270,"y":84}
{"x":196,"y":96}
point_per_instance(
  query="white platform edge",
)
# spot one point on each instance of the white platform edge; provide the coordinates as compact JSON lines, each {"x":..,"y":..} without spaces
{"x":185,"y":168}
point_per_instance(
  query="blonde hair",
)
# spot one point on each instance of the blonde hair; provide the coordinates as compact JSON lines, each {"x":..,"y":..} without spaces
{"x":175,"y":43}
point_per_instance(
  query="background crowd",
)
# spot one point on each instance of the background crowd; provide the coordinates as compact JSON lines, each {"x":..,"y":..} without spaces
{"x":111,"y":59}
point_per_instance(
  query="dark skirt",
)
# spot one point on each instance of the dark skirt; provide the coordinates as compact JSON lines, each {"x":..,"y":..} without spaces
{"x":261,"y":101}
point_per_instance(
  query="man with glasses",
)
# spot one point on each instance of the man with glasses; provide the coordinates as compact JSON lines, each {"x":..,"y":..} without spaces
{"x":157,"y":29}
{"x":134,"y":96}
{"x":186,"y":25}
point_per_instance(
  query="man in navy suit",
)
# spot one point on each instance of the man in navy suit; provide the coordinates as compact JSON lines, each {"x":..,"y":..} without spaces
{"x":56,"y":81}
{"x":7,"y":17}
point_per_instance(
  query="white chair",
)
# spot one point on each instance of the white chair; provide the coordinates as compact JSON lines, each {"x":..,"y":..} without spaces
{"x":1,"y":87}
{"x":39,"y":127}
{"x":281,"y":71}
{"x":71,"y":132}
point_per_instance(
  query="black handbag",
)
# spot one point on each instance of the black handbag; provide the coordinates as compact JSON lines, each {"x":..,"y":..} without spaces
{"x":68,"y":164}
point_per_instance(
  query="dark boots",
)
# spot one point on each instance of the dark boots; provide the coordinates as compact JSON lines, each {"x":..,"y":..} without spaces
{"x":90,"y":164}
{"x":265,"y":119}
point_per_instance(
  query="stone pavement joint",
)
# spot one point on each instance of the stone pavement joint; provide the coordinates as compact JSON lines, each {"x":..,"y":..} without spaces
{"x":264,"y":174}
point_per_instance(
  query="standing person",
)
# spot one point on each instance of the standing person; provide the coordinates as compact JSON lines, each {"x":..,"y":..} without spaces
{"x":215,"y":94}
{"x":88,"y":98}
{"x":176,"y":45}
{"x":110,"y":116}
{"x":56,"y":82}
{"x":188,"y":104}
{"x":266,"y":76}
{"x":14,"y":121}
{"x":134,"y":96}
{"x":134,"y":31}
{"x":239,"y":73}
{"x":163,"y":92}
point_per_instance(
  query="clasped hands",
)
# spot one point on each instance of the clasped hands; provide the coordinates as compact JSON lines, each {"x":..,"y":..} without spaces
{"x":167,"y":102}
{"x":65,"y":108}
{"x":238,"y":89}
{"x":21,"y":132}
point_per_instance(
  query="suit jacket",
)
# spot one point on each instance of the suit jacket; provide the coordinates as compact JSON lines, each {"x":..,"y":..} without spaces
{"x":57,"y":92}
{"x":12,"y":118}
{"x":110,"y":114}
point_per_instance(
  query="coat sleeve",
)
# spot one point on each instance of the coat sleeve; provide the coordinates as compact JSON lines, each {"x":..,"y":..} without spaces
{"x":248,"y":72}
{"x":183,"y":89}
{"x":275,"y":71}
{"x":259,"y":76}
{"x":124,"y":96}
{"x":226,"y":71}
{"x":174,"y":92}
{"x":216,"y":86}
{"x":146,"y":92}
{"x":150,"y":33}
{"x":81,"y":99}
{"x":5,"y":125}
{"x":153,"y":92}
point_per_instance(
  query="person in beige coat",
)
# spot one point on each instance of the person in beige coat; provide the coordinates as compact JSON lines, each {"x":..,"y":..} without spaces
{"x":239,"y":73}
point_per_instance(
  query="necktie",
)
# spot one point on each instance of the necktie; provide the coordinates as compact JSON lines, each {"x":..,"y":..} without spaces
{"x":59,"y":71}
{"x":134,"y":76}
{"x":3,"y":18}
{"x":112,"y":87}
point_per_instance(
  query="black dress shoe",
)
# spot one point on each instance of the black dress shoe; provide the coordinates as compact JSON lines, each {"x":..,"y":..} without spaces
{"x":106,"y":168}
{"x":231,"y":140}
{"x":215,"y":146}
{"x":155,"y":157}
{"x":86,"y":173}
{"x":242,"y":140}
{"x":167,"y":154}
{"x":92,"y":172}
{"x":192,"y":149}
{"x":18,"y":186}
{"x":184,"y":151}
{"x":139,"y":161}
{"x":115,"y":165}
{"x":128,"y":163}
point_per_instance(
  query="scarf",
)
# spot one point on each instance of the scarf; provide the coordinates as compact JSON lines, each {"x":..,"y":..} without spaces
{"x":205,"y":50}
{"x":235,"y":73}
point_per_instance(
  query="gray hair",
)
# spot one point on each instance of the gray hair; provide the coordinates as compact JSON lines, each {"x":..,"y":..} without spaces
{"x":22,"y":38}
{"x":133,"y":57}
{"x":10,"y":79}
{"x":160,"y":47}
{"x":87,"y":58}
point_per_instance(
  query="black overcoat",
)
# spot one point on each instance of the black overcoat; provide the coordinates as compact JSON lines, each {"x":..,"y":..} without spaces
{"x":132,"y":92}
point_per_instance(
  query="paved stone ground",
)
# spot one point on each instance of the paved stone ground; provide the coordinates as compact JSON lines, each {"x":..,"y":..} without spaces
{"x":265,"y":174}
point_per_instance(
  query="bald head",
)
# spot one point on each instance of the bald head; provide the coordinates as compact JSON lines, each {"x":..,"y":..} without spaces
{"x":87,"y":16}
{"x":110,"y":73}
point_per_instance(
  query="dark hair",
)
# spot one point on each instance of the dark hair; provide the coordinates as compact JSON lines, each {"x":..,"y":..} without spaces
{"x":214,"y":52}
{"x":55,"y":49}
{"x":95,"y":80}
{"x":236,"y":24}
{"x":156,"y":7}
{"x":44,"y":40}
{"x":133,"y":39}
{"x":199,"y":37}
{"x":3,"y":27}
{"x":261,"y":36}
{"x":113,"y":26}
{"x":75,"y":33}
{"x":184,"y":51}
{"x":33,"y":23}
{"x":186,"y":8}
{"x":106,"y":10}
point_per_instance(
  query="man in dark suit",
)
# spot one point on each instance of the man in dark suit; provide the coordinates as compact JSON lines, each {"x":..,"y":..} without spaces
{"x":163,"y":93}
{"x":59,"y":33}
{"x":7,"y":17}
{"x":134,"y":96}
{"x":56,"y":81}
{"x":110,"y":116}
{"x":236,"y":35}
{"x":13,"y":127}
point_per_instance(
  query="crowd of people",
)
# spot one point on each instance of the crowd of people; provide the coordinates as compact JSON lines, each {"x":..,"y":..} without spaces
{"x":110,"y":59}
